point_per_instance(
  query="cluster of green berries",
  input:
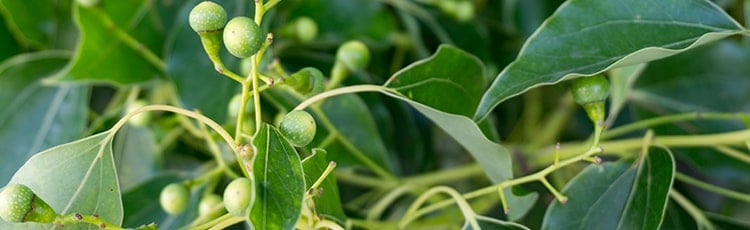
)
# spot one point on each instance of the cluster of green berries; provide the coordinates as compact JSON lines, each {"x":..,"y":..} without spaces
{"x":238,"y":196}
{"x":242,"y":36}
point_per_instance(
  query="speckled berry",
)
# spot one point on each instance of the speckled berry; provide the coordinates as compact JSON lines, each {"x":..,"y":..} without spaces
{"x":238,"y":196}
{"x":354,"y":55}
{"x":298,"y":127}
{"x":19,"y":204}
{"x":174,"y":198}
{"x":207,"y":16}
{"x":242,"y":37}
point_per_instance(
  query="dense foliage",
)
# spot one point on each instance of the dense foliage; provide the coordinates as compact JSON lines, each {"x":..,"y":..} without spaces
{"x":365,"y":114}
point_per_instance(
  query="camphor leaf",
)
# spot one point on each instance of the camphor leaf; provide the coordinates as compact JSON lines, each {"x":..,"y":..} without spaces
{"x":616,"y":195}
{"x":328,"y":204}
{"x":101,"y":56}
{"x":33,"y":116}
{"x":30,"y":14}
{"x":77,"y":177}
{"x":440,"y":71}
{"x":575,"y":41}
{"x":279,"y":181}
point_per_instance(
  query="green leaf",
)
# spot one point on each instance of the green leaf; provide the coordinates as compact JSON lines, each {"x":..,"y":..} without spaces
{"x":198,"y":84}
{"x":458,"y":77}
{"x":77,"y":177}
{"x":135,"y":150}
{"x":29,"y":21}
{"x":621,"y":82}
{"x":616,"y":195}
{"x":451,"y":81}
{"x":35,"y":117}
{"x":586,"y":37}
{"x":11,"y":46}
{"x":491,"y":223}
{"x":328,"y":204}
{"x":141,"y":204}
{"x":279,"y":181}
{"x":103,"y":57}
{"x":348,"y":19}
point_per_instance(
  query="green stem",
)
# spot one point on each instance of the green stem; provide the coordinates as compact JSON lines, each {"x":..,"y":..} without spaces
{"x":93,"y":220}
{"x":339,"y":91}
{"x":412,"y":213}
{"x":691,"y":209}
{"x":350,"y":177}
{"x":733,"y":153}
{"x":712,"y":188}
{"x":129,"y":40}
{"x":643,"y":124}
{"x":216,"y":151}
{"x":241,"y":114}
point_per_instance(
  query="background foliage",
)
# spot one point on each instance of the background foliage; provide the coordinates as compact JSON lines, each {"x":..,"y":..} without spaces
{"x":460,"y":106}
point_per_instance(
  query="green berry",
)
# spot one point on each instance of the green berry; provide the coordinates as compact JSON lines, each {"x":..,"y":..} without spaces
{"x":234,"y":106}
{"x":591,"y":93}
{"x":207,"y":17}
{"x":238,"y":196}
{"x":19,"y":204}
{"x":211,"y":206}
{"x":243,"y":37}
{"x":174,"y":198}
{"x":88,"y":3}
{"x":307,"y":81}
{"x":298,"y":127}
{"x":354,"y":55}
{"x":306,"y":29}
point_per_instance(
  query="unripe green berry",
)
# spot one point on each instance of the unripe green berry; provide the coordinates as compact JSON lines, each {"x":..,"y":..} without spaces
{"x":307,"y":81}
{"x":243,"y":37}
{"x":461,"y":10}
{"x":19,"y":204}
{"x":590,"y":89}
{"x":174,"y":198}
{"x":591,"y":93}
{"x":238,"y":196}
{"x":207,"y":17}
{"x":298,"y":127}
{"x":354,"y":55}
{"x":234,"y":106}
{"x":88,"y":3}
{"x":211,"y":206}
{"x":305,"y":29}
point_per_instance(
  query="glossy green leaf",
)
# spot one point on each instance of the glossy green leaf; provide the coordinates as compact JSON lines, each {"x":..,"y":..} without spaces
{"x":451,"y":81}
{"x":491,"y":223}
{"x":586,"y":37}
{"x":616,"y":195}
{"x":328,"y":204}
{"x":198,"y":84}
{"x":33,"y":116}
{"x":30,"y":21}
{"x":279,"y":181}
{"x":103,"y":57}
{"x":135,"y":152}
{"x":76,"y":177}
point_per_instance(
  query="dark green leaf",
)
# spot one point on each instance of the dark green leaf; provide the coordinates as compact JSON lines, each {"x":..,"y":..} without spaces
{"x":328,"y":203}
{"x":279,"y":181}
{"x":33,"y":116}
{"x":141,"y":204}
{"x":348,"y":19}
{"x":358,"y":131}
{"x":76,"y":177}
{"x":450,"y":81}
{"x":616,"y":195}
{"x":10,"y":46}
{"x":585,"y":37}
{"x":103,"y":57}
{"x":29,"y":21}
{"x":198,"y":84}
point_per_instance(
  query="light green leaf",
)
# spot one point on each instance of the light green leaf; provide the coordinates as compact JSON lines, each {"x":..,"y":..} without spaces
{"x":33,"y":116}
{"x":135,"y":150}
{"x":616,"y":195}
{"x":621,"y":82}
{"x":586,"y":37}
{"x":77,"y":177}
{"x":495,"y":224}
{"x":328,"y":204}
{"x":279,"y":181}
{"x":101,"y":56}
